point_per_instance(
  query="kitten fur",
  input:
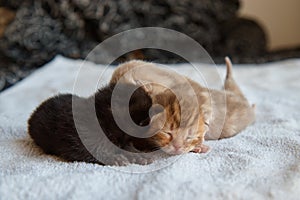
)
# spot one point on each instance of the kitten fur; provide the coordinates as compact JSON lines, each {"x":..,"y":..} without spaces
{"x":221,"y":114}
{"x":52,"y":127}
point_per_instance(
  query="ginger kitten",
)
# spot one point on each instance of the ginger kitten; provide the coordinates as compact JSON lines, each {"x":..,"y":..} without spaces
{"x":220,"y":113}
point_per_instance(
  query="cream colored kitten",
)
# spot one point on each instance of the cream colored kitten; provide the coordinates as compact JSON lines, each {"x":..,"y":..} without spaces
{"x":191,"y":112}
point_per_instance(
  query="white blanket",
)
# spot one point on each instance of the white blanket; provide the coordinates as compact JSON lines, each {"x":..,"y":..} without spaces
{"x":262,"y":162}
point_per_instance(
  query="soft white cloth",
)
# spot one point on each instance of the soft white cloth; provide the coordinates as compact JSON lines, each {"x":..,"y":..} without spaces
{"x":262,"y":162}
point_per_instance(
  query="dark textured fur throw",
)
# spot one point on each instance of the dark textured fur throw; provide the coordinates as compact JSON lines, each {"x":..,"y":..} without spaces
{"x":34,"y":32}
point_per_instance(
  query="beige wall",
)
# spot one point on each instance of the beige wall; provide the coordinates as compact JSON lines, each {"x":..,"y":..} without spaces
{"x":280,"y":18}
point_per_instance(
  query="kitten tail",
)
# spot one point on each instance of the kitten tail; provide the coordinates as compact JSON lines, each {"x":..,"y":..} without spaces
{"x":229,"y":67}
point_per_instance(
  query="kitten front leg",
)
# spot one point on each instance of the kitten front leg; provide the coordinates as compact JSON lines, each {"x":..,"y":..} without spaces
{"x":201,"y":148}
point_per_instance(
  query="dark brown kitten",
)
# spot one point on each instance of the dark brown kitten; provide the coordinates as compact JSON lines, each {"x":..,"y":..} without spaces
{"x":52,"y":125}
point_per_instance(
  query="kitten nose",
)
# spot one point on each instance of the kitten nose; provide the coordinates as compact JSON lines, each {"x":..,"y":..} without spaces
{"x":176,"y":146}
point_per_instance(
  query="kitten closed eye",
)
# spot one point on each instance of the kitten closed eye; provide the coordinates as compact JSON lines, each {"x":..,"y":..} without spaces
{"x":190,"y":138}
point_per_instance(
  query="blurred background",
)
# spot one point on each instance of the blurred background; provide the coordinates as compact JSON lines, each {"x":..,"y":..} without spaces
{"x":33,"y":32}
{"x":280,"y":20}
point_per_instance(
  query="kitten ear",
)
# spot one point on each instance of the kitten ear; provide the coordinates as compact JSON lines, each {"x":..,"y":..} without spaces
{"x":155,"y":110}
{"x":156,"y":114}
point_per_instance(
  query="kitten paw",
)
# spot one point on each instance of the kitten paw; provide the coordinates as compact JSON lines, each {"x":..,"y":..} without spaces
{"x":201,"y":149}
